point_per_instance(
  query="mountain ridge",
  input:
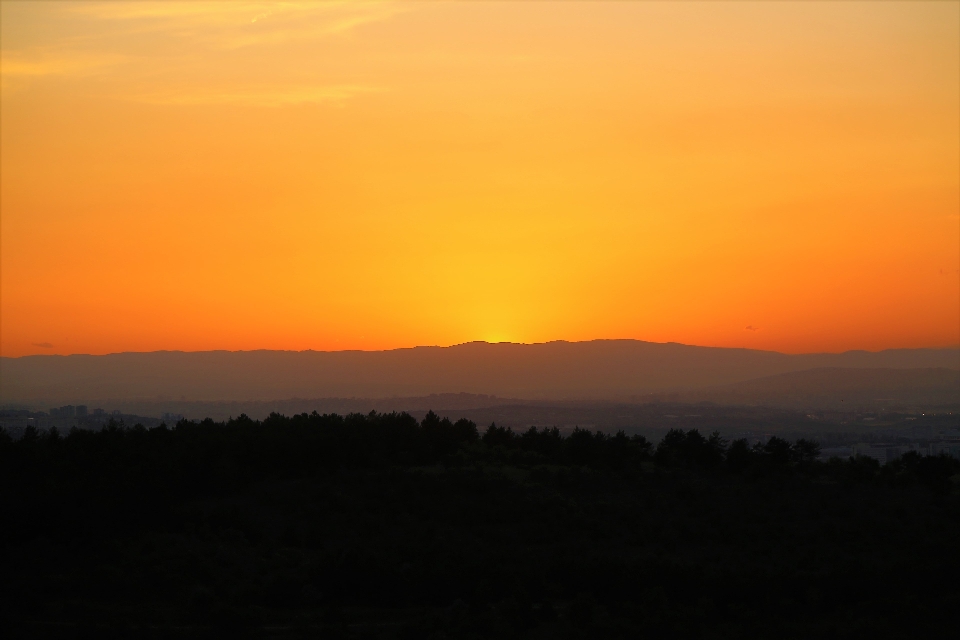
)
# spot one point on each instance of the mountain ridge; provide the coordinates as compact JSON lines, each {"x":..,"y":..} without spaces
{"x":592,"y":370}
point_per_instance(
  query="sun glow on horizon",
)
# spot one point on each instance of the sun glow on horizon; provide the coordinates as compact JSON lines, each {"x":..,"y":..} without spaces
{"x":199,"y":176}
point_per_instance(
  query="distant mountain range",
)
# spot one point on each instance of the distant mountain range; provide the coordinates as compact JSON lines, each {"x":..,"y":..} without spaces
{"x":844,"y":389}
{"x":599,"y":370}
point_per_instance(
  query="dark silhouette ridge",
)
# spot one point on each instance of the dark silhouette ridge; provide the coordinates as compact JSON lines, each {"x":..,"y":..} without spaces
{"x":383,"y":526}
{"x":600,"y":369}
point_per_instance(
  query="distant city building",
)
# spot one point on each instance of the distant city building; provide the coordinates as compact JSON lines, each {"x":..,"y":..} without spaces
{"x":835,"y":452}
{"x":884,"y":453}
{"x":82,"y":411}
{"x":66,"y":411}
{"x":99,"y":412}
{"x":172,"y":418}
{"x":949,"y":447}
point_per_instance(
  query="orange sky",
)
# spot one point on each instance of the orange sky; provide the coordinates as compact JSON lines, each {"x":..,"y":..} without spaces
{"x":328,"y":176}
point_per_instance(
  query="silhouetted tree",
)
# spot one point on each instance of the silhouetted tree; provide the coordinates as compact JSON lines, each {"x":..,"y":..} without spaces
{"x":691,"y":449}
{"x":776,"y":452}
{"x":739,"y":455}
{"x":546,"y":442}
{"x":583,"y":447}
{"x":805,"y":451}
{"x":496,"y":436}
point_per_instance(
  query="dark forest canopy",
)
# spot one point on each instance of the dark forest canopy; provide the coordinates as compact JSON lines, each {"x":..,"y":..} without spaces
{"x":380,"y":525}
{"x":195,"y":455}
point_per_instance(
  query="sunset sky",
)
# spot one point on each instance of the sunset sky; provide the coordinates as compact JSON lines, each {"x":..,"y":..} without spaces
{"x":199,"y":176}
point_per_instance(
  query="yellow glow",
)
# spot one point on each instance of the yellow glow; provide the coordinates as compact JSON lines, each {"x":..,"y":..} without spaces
{"x":375,"y":175}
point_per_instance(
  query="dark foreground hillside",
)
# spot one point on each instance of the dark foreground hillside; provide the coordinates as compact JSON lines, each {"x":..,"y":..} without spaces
{"x":382,"y":527}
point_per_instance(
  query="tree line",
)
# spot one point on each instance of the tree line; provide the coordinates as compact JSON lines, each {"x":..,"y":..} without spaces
{"x":382,"y":525}
{"x":130,"y":473}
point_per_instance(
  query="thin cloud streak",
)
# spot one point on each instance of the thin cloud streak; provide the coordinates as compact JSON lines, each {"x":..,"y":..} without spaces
{"x":194,"y":32}
{"x":16,"y":66}
{"x":267,"y":97}
{"x":225,"y":26}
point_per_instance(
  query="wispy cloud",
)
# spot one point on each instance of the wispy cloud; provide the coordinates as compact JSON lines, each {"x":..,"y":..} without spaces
{"x":257,"y":96}
{"x":43,"y":345}
{"x":751,"y":328}
{"x":229,"y":25}
{"x":25,"y":65}
{"x":167,"y":52}
{"x":206,"y":12}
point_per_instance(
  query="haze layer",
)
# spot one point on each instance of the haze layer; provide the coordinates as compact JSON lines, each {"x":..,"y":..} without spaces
{"x":598,"y":370}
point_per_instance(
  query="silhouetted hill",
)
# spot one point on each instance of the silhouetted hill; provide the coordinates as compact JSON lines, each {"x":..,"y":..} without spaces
{"x":382,"y":526}
{"x":600,"y":369}
{"x":845,"y":388}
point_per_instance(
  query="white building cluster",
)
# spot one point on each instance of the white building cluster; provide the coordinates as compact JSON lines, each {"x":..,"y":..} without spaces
{"x":884,"y":453}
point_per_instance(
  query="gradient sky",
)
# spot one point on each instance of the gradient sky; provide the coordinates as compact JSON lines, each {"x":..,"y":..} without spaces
{"x":328,"y":176}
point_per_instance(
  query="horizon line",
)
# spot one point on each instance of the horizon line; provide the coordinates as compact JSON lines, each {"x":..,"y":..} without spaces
{"x":475,"y":342}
